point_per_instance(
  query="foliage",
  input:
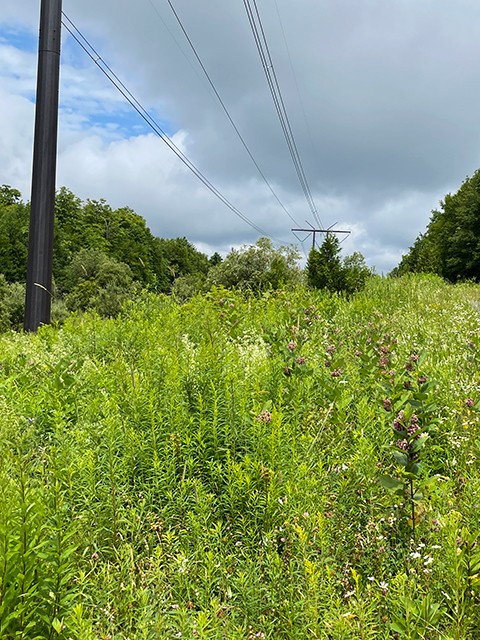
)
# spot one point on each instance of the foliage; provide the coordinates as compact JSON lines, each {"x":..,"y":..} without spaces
{"x":98,"y":282}
{"x":120,"y":234}
{"x":12,"y":304}
{"x":326,"y":269}
{"x":212,"y":469}
{"x":450,"y":247}
{"x":14,"y":223}
{"x":182,"y":259}
{"x":257,"y":267}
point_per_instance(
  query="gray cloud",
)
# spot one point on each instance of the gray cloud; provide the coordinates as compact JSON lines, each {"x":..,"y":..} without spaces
{"x":384,"y":116}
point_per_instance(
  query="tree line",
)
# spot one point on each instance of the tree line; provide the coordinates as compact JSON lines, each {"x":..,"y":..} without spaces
{"x":450,"y":246}
{"x":103,"y":256}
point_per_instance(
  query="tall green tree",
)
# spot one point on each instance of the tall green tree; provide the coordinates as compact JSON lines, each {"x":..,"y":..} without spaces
{"x":450,"y":247}
{"x":324,"y":266}
{"x":14,"y":224}
{"x":181,"y":258}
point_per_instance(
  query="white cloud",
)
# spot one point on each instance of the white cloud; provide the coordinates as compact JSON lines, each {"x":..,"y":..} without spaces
{"x":389,"y":92}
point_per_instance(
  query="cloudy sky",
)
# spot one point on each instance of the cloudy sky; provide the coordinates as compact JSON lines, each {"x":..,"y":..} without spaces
{"x":382,"y":96}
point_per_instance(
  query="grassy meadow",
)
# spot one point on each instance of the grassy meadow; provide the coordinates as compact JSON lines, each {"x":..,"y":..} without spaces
{"x":292,"y":466}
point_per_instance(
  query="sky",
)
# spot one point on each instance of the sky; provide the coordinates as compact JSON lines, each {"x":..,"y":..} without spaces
{"x":382,"y":97}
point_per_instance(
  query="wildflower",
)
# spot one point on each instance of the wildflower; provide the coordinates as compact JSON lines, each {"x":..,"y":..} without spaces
{"x":413,"y":428}
{"x":397,"y":425}
{"x":387,"y":404}
{"x":422,"y":379}
{"x":94,"y":556}
{"x":358,"y":353}
{"x":403,"y":445}
{"x":331,"y":348}
{"x":264,"y":416}
{"x":291,"y":345}
{"x":238,"y":543}
{"x":469,"y":402}
{"x":300,"y":360}
{"x":336,"y":373}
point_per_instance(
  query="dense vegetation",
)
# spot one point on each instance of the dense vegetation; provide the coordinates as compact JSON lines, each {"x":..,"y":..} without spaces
{"x":450,"y":247}
{"x":99,"y":252}
{"x":285,"y":466}
{"x":327,"y":270}
{"x":103,"y":257}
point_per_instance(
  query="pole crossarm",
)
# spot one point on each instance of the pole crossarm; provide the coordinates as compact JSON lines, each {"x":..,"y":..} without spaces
{"x":314,"y":231}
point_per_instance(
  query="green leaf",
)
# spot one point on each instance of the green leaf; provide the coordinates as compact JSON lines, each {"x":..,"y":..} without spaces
{"x":57,"y":625}
{"x":390,"y":483}
{"x":400,"y":458}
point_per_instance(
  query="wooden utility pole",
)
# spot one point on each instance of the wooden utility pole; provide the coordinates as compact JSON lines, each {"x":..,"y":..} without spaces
{"x":42,"y":207}
{"x":314,"y":231}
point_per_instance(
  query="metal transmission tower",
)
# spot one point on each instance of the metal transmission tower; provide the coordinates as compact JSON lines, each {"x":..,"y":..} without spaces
{"x":314,"y":231}
{"x":40,"y":244}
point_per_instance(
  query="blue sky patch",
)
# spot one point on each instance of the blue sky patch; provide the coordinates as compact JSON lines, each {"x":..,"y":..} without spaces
{"x":19,"y":38}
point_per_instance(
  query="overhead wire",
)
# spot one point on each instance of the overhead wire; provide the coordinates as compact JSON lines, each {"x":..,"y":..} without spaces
{"x":156,"y":128}
{"x":263,"y":49}
{"x":287,"y":48}
{"x":224,"y":107}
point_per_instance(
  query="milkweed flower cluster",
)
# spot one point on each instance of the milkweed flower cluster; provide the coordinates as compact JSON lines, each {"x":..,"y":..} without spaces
{"x":408,"y":430}
{"x":264,"y":416}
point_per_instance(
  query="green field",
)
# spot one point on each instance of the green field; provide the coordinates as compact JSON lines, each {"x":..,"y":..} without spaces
{"x":239,"y":467}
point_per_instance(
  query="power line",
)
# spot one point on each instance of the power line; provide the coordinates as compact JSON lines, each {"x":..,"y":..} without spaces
{"x":222,"y":104}
{"x":156,"y":128}
{"x":261,"y":43}
{"x":284,"y":35}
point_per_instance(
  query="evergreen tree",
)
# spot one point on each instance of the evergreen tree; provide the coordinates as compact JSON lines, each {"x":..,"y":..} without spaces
{"x":324,"y":266}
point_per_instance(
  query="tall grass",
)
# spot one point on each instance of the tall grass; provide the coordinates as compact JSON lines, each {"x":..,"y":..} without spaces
{"x":213,"y":469}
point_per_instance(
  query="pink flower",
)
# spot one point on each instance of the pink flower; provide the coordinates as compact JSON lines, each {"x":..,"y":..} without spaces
{"x":469,"y":402}
{"x":264,"y":416}
{"x":291,"y":345}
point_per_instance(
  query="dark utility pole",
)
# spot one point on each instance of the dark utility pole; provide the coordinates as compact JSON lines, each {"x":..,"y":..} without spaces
{"x":40,"y":244}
